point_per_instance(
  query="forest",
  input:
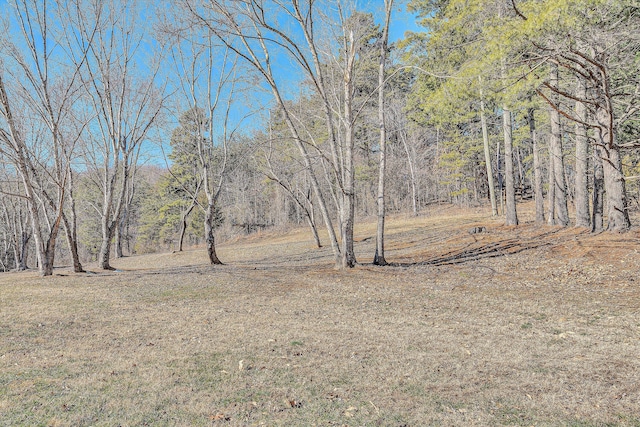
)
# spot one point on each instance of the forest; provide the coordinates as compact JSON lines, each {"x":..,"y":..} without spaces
{"x":132,"y":126}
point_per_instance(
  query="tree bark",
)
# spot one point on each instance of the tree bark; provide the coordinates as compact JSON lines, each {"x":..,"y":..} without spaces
{"x":21,"y":164}
{"x":557,"y":157}
{"x":582,"y":154}
{"x":551,"y":217}
{"x":50,"y":251}
{"x":379,"y":256}
{"x":348,"y":195}
{"x":183,"y":224}
{"x":559,"y":183}
{"x":487,"y":159}
{"x":21,"y":264}
{"x":348,"y":192}
{"x":614,"y":182}
{"x":511,"y":212}
{"x":412,"y":174}
{"x":209,"y":227}
{"x":71,"y":227}
{"x":105,"y":246}
{"x":109,"y":220}
{"x":617,"y":213}
{"x":72,"y":243}
{"x":119,"y":236}
{"x":537,"y":168}
{"x":314,"y":231}
{"x":107,"y":226}
{"x":597,"y":218}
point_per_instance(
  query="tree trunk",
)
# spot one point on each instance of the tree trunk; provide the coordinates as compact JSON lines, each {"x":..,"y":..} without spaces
{"x":500,"y":175}
{"x":21,"y":163}
{"x":597,"y":218}
{"x":559,"y":183}
{"x":209,"y":228}
{"x":183,"y":224}
{"x":487,"y":159}
{"x":312,"y":175}
{"x":511,"y":212}
{"x":111,"y":220}
{"x":412,"y":174}
{"x":21,"y":265}
{"x":72,"y":243}
{"x":314,"y":231}
{"x":309,"y":214}
{"x":50,"y":250}
{"x":41,"y":259}
{"x":106,"y":224}
{"x":348,"y":204}
{"x":520,"y":183}
{"x":108,"y":229}
{"x":105,"y":245}
{"x":71,"y":228}
{"x":379,"y":258}
{"x":348,"y":171}
{"x":557,"y":157}
{"x":614,"y":183}
{"x":582,"y":164}
{"x":119,"y":236}
{"x":537,"y":169}
{"x":551,"y":217}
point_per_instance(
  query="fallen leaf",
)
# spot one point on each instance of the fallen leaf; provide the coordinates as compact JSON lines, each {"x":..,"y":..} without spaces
{"x":350,"y":411}
{"x":220,"y":417}
{"x":295,"y":403}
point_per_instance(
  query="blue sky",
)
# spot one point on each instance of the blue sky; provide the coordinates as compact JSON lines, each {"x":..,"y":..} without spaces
{"x":402,"y":22}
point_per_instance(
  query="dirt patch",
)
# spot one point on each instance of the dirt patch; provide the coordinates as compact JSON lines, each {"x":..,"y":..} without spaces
{"x":511,"y":326}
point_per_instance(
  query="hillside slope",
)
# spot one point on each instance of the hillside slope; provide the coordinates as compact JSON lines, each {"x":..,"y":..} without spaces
{"x":511,"y":326}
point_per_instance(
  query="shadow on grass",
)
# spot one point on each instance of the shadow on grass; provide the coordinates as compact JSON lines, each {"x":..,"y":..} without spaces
{"x":478,"y":250}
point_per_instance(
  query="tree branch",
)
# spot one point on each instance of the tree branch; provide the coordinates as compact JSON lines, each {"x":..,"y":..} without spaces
{"x":515,"y":9}
{"x":564,"y":113}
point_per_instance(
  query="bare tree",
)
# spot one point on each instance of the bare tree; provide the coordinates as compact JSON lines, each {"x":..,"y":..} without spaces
{"x":243,"y":27}
{"x":15,"y":220}
{"x":212,"y":83}
{"x":379,"y":258}
{"x":301,"y":198}
{"x":45,"y":88}
{"x":273,"y":165}
{"x":14,"y":147}
{"x":125,"y":100}
{"x":325,"y":45}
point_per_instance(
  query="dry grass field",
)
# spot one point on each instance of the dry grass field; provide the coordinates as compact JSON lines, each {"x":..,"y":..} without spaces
{"x":517,"y":326}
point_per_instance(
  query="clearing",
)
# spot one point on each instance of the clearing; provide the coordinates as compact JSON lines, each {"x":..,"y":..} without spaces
{"x":526,"y":326}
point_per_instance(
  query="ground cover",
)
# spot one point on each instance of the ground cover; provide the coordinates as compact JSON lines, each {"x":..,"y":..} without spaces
{"x":526,"y":326}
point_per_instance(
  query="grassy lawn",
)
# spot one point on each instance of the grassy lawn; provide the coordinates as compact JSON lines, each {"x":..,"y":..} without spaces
{"x":518,"y":326}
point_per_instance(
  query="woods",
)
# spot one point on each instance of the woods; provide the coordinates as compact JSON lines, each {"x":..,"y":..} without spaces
{"x":129,"y":127}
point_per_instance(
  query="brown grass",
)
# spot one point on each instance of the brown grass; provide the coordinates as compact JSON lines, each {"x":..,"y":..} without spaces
{"x":521,"y":326}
